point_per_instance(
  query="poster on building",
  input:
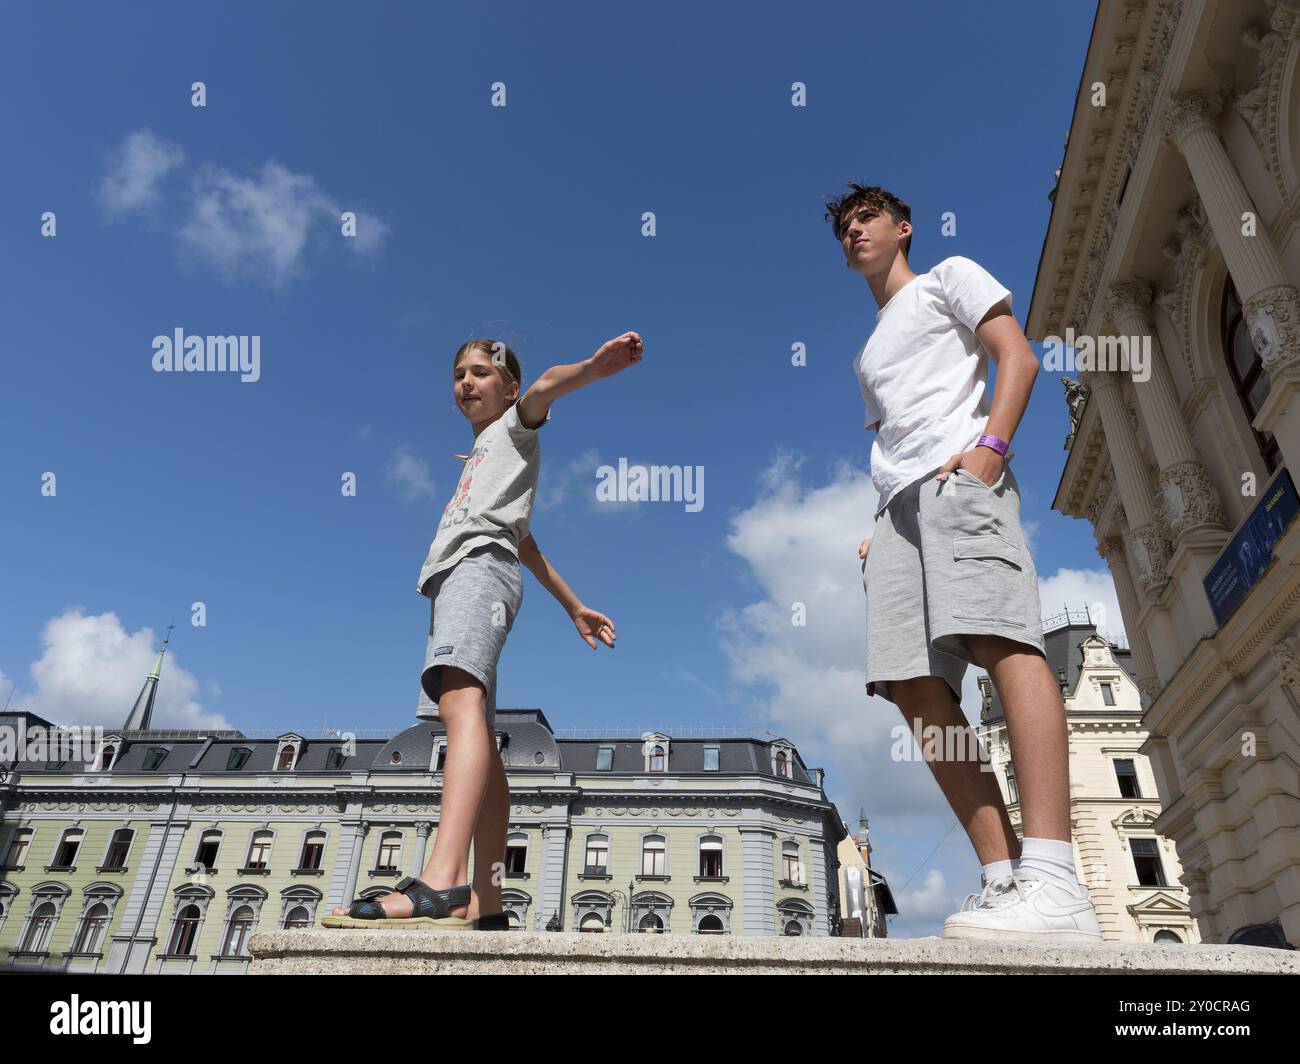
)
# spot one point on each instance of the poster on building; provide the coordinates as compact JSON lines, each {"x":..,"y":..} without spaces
{"x":1250,"y":552}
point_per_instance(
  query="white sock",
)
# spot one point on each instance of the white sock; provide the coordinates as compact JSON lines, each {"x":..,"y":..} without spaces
{"x":996,"y":870}
{"x":1052,"y":860}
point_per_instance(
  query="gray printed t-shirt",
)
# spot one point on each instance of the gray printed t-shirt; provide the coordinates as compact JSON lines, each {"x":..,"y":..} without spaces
{"x":494,"y":498}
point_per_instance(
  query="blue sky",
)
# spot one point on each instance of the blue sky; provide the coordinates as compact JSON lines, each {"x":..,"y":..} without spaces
{"x":522,"y":222}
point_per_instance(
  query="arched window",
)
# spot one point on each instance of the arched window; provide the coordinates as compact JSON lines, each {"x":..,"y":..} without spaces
{"x":297,"y":917}
{"x":517,"y":853}
{"x":241,"y":925}
{"x":710,"y":925}
{"x":259,"y":850}
{"x":1246,"y":370}
{"x":791,"y":866}
{"x":313,"y":848}
{"x":597,"y":860}
{"x":390,"y":845}
{"x":711,"y":857}
{"x":37,"y":938}
{"x":286,"y":759}
{"x":209,"y":844}
{"x":654,"y":856}
{"x":66,"y":855}
{"x":792,"y":928}
{"x":782,"y":764}
{"x":1169,"y":937}
{"x":185,"y":932}
{"x":106,"y":757}
{"x":18,"y":847}
{"x":592,"y":923}
{"x":657,"y":763}
{"x":649,"y":924}
{"x":90,"y":934}
{"x":117,"y":849}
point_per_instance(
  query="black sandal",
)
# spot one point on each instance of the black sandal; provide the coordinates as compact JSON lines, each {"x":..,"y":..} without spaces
{"x":432,"y":908}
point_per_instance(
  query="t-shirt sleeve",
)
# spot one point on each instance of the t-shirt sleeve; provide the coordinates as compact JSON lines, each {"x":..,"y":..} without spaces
{"x":970,"y":289}
{"x":518,"y":432}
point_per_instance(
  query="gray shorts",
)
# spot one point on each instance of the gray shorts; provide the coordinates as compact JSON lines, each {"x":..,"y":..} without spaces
{"x":474,"y":607}
{"x":947,"y":560}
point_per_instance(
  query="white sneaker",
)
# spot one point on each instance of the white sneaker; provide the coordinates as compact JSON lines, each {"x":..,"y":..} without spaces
{"x":1025,"y":907}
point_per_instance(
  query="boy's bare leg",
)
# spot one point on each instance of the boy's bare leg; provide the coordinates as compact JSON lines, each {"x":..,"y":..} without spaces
{"x":1036,"y":729}
{"x":490,"y":839}
{"x":972,"y":792}
{"x":463,"y":709}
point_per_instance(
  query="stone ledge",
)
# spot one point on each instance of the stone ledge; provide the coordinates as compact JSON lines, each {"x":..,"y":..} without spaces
{"x":357,"y":951}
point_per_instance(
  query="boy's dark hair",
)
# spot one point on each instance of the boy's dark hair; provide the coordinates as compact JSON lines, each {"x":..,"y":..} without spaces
{"x":505,"y":360}
{"x":874,"y":199}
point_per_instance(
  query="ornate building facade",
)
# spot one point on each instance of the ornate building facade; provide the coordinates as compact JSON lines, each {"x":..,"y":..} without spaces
{"x":169,"y":850}
{"x":1175,"y":235}
{"x":1130,"y":870}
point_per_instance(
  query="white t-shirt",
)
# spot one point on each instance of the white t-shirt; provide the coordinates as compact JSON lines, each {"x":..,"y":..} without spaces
{"x":494,"y":498}
{"x":924,"y":375}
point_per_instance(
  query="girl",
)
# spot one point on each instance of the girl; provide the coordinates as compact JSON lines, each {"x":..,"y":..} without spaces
{"x":472,"y":577}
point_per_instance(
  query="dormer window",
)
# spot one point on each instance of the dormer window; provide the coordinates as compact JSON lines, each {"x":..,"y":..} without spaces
{"x":286,"y":757}
{"x":783,"y":761}
{"x":154,"y":757}
{"x":658,"y":760}
{"x":604,"y":759}
{"x":238,"y":758}
{"x":106,"y":756}
{"x":334,"y":759}
{"x":655,"y":748}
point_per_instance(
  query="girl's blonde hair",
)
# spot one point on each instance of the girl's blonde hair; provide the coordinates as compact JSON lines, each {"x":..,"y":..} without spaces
{"x":505,"y":360}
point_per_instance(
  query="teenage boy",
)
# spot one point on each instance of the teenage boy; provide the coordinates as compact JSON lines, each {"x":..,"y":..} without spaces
{"x":948,"y":574}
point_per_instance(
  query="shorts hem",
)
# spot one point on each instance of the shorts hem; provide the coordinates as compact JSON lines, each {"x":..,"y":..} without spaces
{"x":479,"y":673}
{"x":870,"y":684}
{"x":953,"y":641}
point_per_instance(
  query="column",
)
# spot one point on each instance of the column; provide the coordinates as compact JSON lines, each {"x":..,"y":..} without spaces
{"x":759,"y":884}
{"x":1270,"y":301}
{"x":550,"y":895}
{"x":1191,"y":502}
{"x":422,"y":831}
{"x":358,"y":832}
{"x":1131,"y":482}
{"x":1111,"y":548}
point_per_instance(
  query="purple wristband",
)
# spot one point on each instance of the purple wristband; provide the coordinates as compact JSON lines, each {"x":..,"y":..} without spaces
{"x":997,"y":443}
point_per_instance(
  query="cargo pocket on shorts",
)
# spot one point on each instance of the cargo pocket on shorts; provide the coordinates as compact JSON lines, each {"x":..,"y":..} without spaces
{"x":987,"y":575}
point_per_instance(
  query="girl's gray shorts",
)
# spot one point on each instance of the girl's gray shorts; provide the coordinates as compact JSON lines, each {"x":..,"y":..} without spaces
{"x":947,"y":560}
{"x":474,"y":607}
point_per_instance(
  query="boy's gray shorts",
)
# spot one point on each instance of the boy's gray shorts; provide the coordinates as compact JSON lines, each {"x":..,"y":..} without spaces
{"x":947,"y":560}
{"x":474,"y":607}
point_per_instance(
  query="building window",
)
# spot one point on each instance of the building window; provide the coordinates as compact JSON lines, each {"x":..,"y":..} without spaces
{"x":792,"y":928}
{"x":259,"y":850}
{"x":1246,"y":370}
{"x":185,"y":932}
{"x":517,"y":854}
{"x":154,"y":758}
{"x":654,"y":856}
{"x":792,"y":866}
{"x":710,"y":925}
{"x":285,"y":762}
{"x":1108,"y":694}
{"x":313,"y":850}
{"x":117,"y":849}
{"x":783,"y":764}
{"x":18,"y":847}
{"x":90,"y":934}
{"x":440,"y":764}
{"x":711,"y":759}
{"x":658,"y":763}
{"x":710,"y":857}
{"x":207,"y":855}
{"x":37,"y":938}
{"x":238,"y":758}
{"x":297,"y":918}
{"x":1169,"y":937}
{"x":604,"y":759}
{"x":241,"y":925}
{"x":597,"y":862}
{"x":390,"y":846}
{"x":650,"y":923}
{"x":592,"y":923}
{"x":106,"y":757}
{"x":334,"y":759}
{"x":1013,"y":791}
{"x":1146,"y":861}
{"x":66,"y":855}
{"x":1126,"y":774}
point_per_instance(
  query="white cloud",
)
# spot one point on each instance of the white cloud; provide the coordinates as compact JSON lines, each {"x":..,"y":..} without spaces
{"x":412,"y":475}
{"x":135,"y":171}
{"x":91,"y":670}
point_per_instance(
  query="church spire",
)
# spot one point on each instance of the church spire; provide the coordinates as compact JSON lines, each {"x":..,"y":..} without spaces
{"x":142,"y":714}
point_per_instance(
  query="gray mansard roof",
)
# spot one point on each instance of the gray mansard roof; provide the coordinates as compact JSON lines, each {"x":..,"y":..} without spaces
{"x":528,"y":743}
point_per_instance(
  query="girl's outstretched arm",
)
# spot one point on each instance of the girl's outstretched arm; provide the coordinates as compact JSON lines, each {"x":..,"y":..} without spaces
{"x":591,"y":625}
{"x":613,"y":356}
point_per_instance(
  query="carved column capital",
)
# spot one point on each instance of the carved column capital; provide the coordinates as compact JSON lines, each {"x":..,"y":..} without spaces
{"x":1128,"y":298}
{"x":1187,"y":112}
{"x":1273,"y":318}
{"x":1190,"y":500}
{"x":1152,"y":556}
{"x":1286,"y":656}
